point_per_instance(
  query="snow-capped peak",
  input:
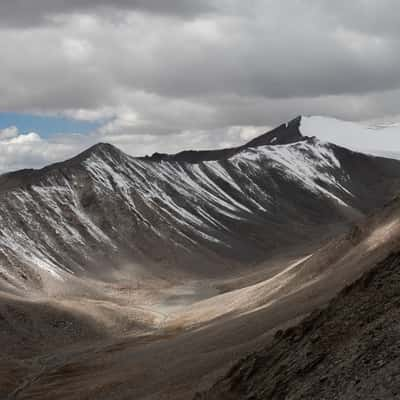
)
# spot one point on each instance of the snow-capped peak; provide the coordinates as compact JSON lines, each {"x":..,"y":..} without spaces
{"x":377,"y":139}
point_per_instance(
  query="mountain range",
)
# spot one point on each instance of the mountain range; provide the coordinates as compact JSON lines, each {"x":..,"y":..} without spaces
{"x":112,"y":265}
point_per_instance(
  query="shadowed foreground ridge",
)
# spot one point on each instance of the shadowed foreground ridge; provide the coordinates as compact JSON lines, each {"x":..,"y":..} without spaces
{"x":350,"y":350}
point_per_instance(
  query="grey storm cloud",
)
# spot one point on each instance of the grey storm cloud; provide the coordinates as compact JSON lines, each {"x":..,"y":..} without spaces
{"x":153,"y":68}
{"x":368,"y":16}
{"x":28,"y":12}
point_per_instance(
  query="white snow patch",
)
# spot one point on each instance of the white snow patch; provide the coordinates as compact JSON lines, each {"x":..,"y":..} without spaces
{"x":380,"y":140}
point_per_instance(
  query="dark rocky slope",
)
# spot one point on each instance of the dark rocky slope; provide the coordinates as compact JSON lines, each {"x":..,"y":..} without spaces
{"x":350,"y":350}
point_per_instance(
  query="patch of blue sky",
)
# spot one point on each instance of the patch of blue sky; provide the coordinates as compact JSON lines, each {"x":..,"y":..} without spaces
{"x":46,"y":126}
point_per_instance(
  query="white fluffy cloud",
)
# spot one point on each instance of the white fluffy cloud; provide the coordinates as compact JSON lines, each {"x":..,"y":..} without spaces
{"x":8,"y":133}
{"x":23,"y":150}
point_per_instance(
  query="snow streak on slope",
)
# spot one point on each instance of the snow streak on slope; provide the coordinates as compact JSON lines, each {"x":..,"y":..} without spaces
{"x":111,"y":203}
{"x":197,"y":195}
{"x":41,"y":220}
{"x":309,"y":165}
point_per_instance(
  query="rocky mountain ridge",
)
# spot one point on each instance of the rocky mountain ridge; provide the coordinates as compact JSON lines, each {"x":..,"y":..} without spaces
{"x":103,"y":208}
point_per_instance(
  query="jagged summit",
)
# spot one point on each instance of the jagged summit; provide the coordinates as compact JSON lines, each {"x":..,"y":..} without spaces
{"x":284,"y":134}
{"x":100,"y":149}
{"x":31,"y":176}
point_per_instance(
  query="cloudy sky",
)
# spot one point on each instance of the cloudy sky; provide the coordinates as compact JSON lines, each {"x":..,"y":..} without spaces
{"x":163,"y":75}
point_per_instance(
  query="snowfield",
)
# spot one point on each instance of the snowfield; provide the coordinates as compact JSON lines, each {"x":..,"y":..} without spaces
{"x":378,"y":139}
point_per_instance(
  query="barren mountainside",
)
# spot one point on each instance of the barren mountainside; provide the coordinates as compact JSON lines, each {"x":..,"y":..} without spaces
{"x":91,"y":214}
{"x":350,"y":350}
{"x":148,"y":278}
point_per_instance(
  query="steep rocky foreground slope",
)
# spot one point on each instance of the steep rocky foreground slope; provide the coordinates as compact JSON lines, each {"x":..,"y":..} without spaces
{"x":350,"y":350}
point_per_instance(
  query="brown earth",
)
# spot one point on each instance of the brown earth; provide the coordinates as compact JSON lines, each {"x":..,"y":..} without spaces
{"x":197,"y":341}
